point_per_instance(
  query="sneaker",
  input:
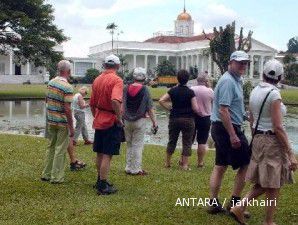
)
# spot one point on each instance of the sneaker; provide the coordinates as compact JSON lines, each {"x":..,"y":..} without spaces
{"x":140,"y":173}
{"x":88,"y":142}
{"x":44,"y":179}
{"x":96,"y":185}
{"x":215,"y":208}
{"x":105,"y":189}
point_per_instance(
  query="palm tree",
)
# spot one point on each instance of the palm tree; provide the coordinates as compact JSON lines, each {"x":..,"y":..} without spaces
{"x":112,"y":27}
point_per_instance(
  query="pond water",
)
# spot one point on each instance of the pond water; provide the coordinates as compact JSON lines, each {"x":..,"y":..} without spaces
{"x":28,"y":117}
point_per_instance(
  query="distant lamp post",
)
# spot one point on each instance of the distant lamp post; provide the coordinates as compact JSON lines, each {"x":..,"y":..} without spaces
{"x":120,"y":32}
{"x":112,"y":27}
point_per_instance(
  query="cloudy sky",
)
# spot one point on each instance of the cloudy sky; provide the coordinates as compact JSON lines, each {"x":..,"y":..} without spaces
{"x":273,"y":22}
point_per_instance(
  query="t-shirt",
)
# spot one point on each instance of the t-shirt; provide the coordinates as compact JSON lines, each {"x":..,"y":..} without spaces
{"x":204,"y":97}
{"x":105,"y":88}
{"x":181,"y":102}
{"x":75,"y":103}
{"x":256,"y":99}
{"x":229,"y":92}
{"x":59,"y":93}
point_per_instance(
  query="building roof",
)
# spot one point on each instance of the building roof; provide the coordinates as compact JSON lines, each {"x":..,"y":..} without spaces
{"x":184,"y":16}
{"x":176,"y":39}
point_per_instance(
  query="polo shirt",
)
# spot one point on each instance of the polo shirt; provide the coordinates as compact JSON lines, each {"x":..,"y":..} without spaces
{"x":59,"y":93}
{"x":229,"y":92}
{"x":105,"y":88}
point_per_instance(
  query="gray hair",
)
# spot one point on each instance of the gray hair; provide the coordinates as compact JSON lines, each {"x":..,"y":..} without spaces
{"x":202,"y":78}
{"x":63,"y":65}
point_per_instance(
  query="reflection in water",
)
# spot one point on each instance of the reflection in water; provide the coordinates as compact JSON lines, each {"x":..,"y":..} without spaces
{"x":28,"y":117}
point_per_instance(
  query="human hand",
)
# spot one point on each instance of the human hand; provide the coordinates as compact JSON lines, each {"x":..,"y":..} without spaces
{"x":71,"y":132}
{"x":293,"y":162}
{"x":235,"y":141}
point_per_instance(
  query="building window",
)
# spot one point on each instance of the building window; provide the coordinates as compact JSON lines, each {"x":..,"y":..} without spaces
{"x":82,"y":67}
{"x":2,"y":68}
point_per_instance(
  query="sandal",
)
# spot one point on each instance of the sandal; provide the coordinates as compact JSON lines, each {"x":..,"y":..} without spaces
{"x":77,"y":165}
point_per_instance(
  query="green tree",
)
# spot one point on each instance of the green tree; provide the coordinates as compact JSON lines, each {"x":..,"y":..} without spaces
{"x":165,"y":68}
{"x":222,"y":44}
{"x":90,"y":76}
{"x":111,"y":27}
{"x":291,"y":70}
{"x":27,"y":25}
{"x":293,"y":45}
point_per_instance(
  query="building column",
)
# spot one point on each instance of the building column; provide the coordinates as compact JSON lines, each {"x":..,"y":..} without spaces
{"x":156,"y":60}
{"x":177,"y":63}
{"x":197,"y":62}
{"x":134,"y":61}
{"x":202,"y":63}
{"x":261,"y":66}
{"x":209,"y":65}
{"x":74,"y":68}
{"x":10,"y":62}
{"x":186,"y":63}
{"x":28,"y":68}
{"x":10,"y":110}
{"x":251,"y":67}
{"x":27,"y":109}
{"x":168,"y":57}
{"x":146,"y":62}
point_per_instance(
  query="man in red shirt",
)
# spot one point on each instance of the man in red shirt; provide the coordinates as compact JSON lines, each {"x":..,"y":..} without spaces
{"x":105,"y":104}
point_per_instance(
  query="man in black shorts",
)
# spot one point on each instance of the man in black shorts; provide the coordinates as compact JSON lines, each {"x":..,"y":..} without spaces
{"x":105,"y":104}
{"x":230,"y":142}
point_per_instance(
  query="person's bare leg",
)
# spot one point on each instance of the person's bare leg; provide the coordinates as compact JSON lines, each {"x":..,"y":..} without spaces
{"x":255,"y":192}
{"x":272,"y":195}
{"x":105,"y":166}
{"x":71,"y":151}
{"x":184,"y":162}
{"x":201,"y":152}
{"x":168,"y":160}
{"x":98,"y":162}
{"x":239,"y":181}
{"x":216,"y":179}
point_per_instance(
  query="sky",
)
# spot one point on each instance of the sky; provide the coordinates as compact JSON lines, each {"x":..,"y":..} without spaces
{"x":273,"y":22}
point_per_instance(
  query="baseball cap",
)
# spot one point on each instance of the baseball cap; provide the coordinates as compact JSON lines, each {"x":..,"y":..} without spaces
{"x":112,"y":60}
{"x":239,"y":56}
{"x":139,"y":73}
{"x":273,"y":69}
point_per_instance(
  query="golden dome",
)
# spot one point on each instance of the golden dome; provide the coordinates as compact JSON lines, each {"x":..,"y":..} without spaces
{"x":184,"y":16}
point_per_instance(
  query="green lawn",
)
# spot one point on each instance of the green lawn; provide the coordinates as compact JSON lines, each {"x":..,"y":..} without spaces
{"x":140,"y":200}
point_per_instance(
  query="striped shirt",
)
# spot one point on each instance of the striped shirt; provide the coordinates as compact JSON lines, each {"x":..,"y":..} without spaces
{"x":59,"y":92}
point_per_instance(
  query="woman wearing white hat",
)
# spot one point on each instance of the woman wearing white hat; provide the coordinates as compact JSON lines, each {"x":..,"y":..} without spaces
{"x":272,"y":157}
{"x":137,"y":103}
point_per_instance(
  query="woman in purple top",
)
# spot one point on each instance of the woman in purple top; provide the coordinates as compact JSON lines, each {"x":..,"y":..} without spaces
{"x":204,"y":96}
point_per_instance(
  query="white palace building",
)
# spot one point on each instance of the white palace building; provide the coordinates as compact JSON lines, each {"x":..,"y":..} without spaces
{"x":181,"y":47}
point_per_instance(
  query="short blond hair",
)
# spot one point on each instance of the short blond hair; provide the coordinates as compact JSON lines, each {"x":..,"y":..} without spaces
{"x":83,"y":89}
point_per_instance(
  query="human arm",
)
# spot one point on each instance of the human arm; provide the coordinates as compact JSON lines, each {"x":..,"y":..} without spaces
{"x":152,"y":117}
{"x":68,"y":113}
{"x":81,"y":102}
{"x":276,"y":118}
{"x":227,"y":122}
{"x":194,"y":105}
{"x":116,"y":105}
{"x":164,"y":101}
{"x":92,"y":102}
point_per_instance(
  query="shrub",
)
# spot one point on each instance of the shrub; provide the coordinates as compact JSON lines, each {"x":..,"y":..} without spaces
{"x":247,"y":88}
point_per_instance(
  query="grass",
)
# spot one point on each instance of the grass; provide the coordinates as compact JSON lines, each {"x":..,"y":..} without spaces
{"x":140,"y":200}
{"x":290,"y":96}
